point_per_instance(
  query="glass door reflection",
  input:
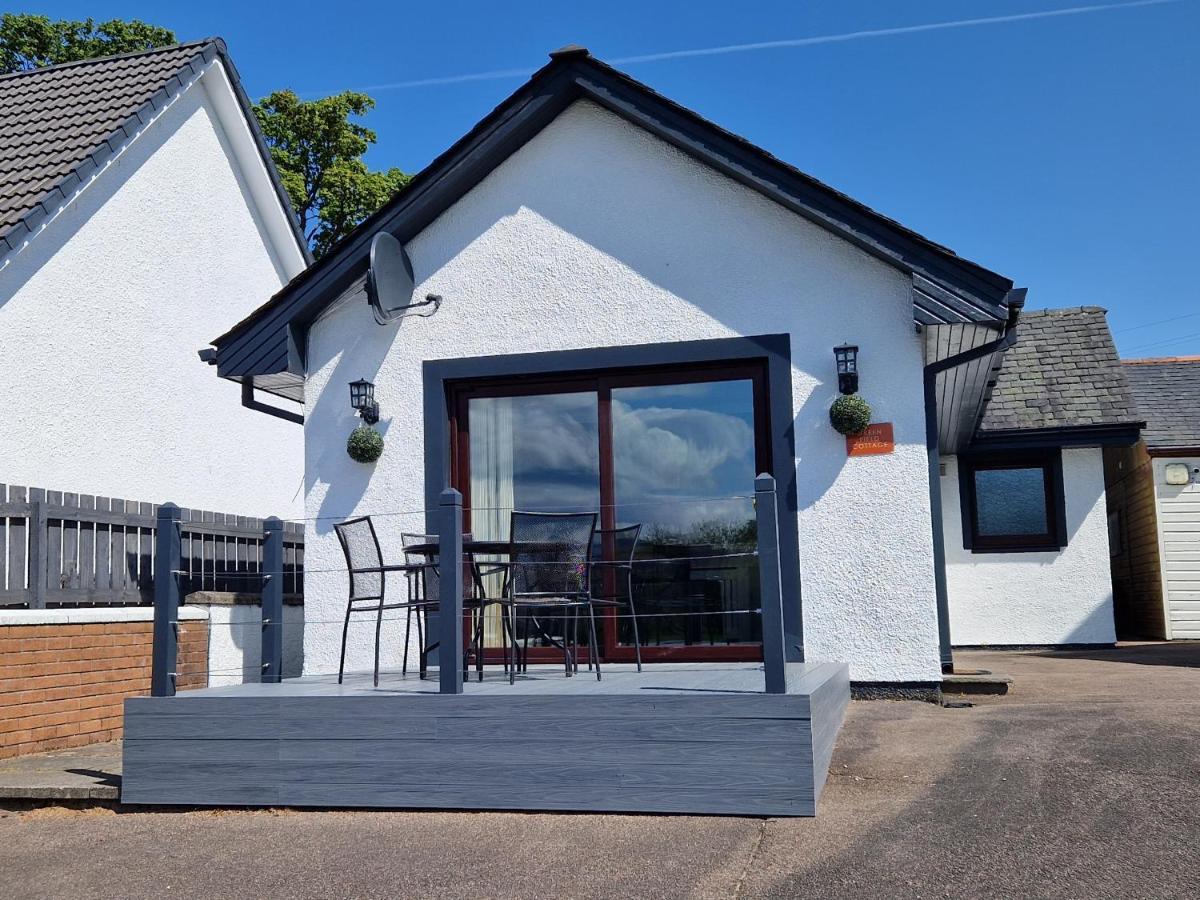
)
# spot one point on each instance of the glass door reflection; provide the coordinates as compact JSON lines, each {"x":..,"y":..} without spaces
{"x":684,"y":459}
{"x":536,"y":452}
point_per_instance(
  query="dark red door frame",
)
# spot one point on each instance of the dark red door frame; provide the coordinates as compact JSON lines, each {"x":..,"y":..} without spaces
{"x":460,"y":393}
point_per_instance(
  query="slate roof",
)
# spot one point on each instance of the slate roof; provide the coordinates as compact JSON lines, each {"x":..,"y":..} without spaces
{"x":1063,"y":372}
{"x":59,"y":124}
{"x":1167,"y":392}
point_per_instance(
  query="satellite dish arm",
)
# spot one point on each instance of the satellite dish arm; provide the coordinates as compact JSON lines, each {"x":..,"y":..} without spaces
{"x":426,"y":307}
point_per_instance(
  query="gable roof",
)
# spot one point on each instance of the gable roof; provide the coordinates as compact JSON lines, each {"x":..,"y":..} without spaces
{"x":946,"y":288}
{"x":1167,"y":392}
{"x":1062,"y":375}
{"x":61,"y":124}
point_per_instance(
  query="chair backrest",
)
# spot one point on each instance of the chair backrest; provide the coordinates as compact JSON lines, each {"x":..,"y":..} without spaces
{"x":361,"y":548}
{"x":559,"y":560}
{"x":624,"y":543}
{"x":611,"y":575}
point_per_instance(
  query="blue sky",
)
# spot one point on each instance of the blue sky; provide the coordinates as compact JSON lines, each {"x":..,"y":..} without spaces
{"x":1062,"y":151}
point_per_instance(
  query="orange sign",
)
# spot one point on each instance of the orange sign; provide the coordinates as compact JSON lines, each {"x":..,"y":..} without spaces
{"x":874,"y":440}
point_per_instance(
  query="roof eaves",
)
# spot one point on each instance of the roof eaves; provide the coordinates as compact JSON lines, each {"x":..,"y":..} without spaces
{"x":574,"y":75}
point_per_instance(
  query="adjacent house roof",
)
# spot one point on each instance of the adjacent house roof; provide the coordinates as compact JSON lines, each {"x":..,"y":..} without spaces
{"x":1167,"y":392}
{"x":1061,"y":381}
{"x":60,"y":124}
{"x":947,"y":289}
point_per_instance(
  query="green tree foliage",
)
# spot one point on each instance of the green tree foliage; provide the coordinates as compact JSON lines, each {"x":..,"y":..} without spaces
{"x":29,"y":41}
{"x":318,"y":148}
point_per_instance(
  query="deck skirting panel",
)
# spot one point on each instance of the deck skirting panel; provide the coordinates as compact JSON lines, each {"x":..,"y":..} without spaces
{"x":751,"y":754}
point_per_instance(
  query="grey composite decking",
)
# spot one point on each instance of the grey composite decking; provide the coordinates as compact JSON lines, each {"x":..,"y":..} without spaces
{"x":684,"y":738}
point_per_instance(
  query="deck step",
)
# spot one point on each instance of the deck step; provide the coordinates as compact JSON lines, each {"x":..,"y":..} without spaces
{"x":975,"y":683}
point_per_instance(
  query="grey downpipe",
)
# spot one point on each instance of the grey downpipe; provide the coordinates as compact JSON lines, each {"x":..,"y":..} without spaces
{"x":1015,"y":300}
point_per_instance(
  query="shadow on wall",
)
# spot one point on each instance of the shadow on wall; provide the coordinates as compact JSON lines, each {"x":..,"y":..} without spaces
{"x":362,"y":357}
{"x":1096,"y":627}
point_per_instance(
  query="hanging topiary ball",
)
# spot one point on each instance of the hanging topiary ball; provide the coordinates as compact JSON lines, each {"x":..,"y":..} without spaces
{"x":850,"y":414}
{"x":365,"y":444}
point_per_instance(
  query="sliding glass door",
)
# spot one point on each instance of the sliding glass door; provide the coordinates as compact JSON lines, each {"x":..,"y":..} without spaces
{"x":672,"y":450}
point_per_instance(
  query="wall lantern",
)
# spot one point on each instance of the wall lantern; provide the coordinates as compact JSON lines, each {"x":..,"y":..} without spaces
{"x":362,"y":398}
{"x":847,"y":368}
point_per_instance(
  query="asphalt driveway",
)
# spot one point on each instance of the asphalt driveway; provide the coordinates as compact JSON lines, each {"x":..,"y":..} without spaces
{"x":1083,"y":782}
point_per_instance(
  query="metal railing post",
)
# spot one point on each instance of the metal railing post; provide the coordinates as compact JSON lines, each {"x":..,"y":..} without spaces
{"x":450,"y":592}
{"x":167,"y":556}
{"x":272,"y":601}
{"x":766,"y":507}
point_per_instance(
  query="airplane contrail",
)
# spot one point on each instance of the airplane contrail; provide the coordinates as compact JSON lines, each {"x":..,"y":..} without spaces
{"x":495,"y":74}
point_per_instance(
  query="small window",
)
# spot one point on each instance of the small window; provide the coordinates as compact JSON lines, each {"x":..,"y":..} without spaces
{"x":1012,"y":502}
{"x":1116,"y":533}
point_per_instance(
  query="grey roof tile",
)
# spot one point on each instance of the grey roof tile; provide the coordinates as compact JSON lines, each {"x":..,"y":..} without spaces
{"x":1167,"y":392}
{"x":59,"y":124}
{"x":1062,"y":372}
{"x":53,"y":119}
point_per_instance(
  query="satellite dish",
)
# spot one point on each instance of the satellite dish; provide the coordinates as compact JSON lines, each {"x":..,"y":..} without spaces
{"x":390,"y":283}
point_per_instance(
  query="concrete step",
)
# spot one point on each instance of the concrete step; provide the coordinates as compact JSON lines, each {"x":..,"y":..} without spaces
{"x":976,"y":682}
{"x":86,"y":773}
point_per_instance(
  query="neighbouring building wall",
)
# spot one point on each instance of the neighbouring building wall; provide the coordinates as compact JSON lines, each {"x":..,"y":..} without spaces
{"x":1044,"y":597}
{"x":1133,"y":542}
{"x":1179,"y":545}
{"x":101,"y":316}
{"x":597,"y":234}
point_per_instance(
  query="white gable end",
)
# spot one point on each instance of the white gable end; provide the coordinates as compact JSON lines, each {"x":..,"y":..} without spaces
{"x":597,"y":234}
{"x":102,"y":313}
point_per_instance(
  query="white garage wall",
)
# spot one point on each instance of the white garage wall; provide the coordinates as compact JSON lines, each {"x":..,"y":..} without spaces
{"x":1179,"y":546}
{"x":1057,"y":597}
{"x":597,"y":234}
{"x":101,"y":316}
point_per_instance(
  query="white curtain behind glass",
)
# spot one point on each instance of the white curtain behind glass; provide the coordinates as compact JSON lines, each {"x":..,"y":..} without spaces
{"x":491,"y":428}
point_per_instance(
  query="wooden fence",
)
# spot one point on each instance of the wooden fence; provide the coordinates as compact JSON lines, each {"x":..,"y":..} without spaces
{"x":63,"y":549}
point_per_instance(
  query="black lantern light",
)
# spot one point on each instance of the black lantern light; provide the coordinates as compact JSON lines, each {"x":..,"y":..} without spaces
{"x":847,"y":368}
{"x":362,"y":398}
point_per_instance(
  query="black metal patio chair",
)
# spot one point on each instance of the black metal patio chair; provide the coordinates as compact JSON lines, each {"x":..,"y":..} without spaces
{"x":424,"y":589}
{"x":548,"y":571}
{"x":368,"y":587}
{"x":613,"y":550}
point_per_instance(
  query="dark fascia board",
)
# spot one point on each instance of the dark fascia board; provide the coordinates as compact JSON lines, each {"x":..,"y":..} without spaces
{"x":206,"y":51}
{"x":1123,"y":434}
{"x":1166,"y":450}
{"x":958,"y":290}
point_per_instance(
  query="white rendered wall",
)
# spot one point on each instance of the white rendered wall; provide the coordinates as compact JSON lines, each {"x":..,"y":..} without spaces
{"x":597,"y":234}
{"x":101,"y":316}
{"x":235,"y":643}
{"x":1055,"y":597}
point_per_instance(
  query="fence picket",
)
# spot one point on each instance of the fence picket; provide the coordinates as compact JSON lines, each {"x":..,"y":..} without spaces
{"x":3,"y":545}
{"x":54,"y":545}
{"x":70,"y":546}
{"x":18,"y":534}
{"x":87,"y":544}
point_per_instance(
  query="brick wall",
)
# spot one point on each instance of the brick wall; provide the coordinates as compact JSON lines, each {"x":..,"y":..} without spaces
{"x":62,"y":685}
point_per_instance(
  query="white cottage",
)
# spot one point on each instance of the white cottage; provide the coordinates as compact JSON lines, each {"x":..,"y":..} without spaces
{"x":139,"y":212}
{"x":638,"y":313}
